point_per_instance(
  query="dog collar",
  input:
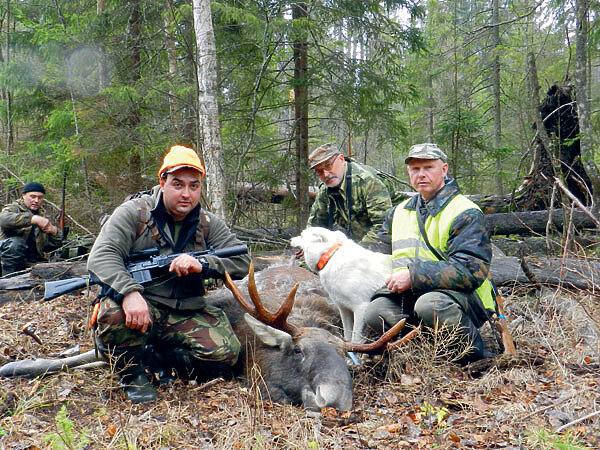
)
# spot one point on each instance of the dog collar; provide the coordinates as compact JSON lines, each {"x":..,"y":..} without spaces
{"x":325,"y":257}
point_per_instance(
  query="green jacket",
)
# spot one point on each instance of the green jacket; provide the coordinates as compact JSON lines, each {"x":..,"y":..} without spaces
{"x":15,"y":220}
{"x":370,"y":203}
{"x":468,"y":250}
{"x":122,"y":235}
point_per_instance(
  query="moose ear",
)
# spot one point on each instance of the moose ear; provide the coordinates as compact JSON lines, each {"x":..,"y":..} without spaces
{"x":268,"y":335}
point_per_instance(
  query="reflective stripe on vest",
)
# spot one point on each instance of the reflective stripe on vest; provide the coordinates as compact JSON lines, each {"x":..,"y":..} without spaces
{"x":408,"y":245}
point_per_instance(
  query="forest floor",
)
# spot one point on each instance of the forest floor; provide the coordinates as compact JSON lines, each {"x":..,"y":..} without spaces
{"x":548,"y":396}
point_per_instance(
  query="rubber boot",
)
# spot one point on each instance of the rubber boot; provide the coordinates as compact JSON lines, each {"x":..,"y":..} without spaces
{"x":135,"y":382}
{"x":159,"y":365}
{"x":470,"y":335}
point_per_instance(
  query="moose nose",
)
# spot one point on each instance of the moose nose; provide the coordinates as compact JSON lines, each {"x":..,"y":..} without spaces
{"x":329,"y":394}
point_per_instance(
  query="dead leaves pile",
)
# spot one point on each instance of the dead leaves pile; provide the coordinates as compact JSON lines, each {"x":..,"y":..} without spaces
{"x":545,"y":397}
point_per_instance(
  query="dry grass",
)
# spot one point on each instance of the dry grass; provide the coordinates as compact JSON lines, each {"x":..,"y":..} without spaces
{"x":411,"y":399}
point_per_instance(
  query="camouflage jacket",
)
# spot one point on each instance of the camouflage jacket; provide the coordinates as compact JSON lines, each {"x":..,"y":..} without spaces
{"x":15,"y":220}
{"x":122,"y":235}
{"x":469,"y":250}
{"x":370,"y":202}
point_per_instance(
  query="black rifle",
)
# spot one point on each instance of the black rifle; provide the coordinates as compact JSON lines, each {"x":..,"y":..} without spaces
{"x":138,"y":265}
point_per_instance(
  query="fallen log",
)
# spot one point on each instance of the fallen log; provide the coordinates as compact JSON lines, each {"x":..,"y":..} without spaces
{"x":36,"y":367}
{"x":574,"y":273}
{"x":30,"y":286}
{"x":531,"y":222}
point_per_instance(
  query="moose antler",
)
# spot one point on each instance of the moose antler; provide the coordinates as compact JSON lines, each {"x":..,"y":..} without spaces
{"x":383,"y":343}
{"x":257,"y":309}
{"x":405,"y":339}
{"x":379,"y":345}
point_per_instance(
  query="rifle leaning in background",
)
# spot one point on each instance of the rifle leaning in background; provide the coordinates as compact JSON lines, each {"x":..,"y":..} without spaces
{"x":139,"y":265}
{"x":61,"y":214}
{"x":500,"y":321}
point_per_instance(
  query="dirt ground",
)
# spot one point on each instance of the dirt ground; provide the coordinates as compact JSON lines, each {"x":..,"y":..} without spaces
{"x":548,"y":396}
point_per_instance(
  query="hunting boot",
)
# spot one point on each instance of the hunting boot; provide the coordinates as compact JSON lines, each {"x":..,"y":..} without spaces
{"x":135,"y":381}
{"x":470,"y":336}
{"x":159,"y":365}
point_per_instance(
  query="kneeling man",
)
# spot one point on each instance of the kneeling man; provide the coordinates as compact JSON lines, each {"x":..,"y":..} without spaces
{"x":441,"y":255}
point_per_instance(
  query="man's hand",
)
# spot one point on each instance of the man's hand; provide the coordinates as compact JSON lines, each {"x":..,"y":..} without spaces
{"x":399,"y":282}
{"x":184,"y":265}
{"x":137,"y":315}
{"x":44,"y":224}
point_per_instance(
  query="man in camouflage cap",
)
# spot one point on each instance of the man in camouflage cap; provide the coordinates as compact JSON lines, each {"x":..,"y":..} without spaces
{"x":352,"y":198}
{"x":165,"y":325}
{"x":26,"y":234}
{"x":441,"y":255}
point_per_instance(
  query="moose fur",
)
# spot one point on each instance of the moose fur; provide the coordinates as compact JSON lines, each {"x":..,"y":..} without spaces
{"x":309,"y":369}
{"x":350,"y":277}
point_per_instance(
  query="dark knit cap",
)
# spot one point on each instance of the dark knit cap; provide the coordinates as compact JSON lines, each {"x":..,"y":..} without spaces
{"x":34,"y":186}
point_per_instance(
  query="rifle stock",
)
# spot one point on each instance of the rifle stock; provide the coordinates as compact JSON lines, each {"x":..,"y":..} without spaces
{"x":139,"y":266}
{"x":500,"y":322}
{"x":53,"y":289}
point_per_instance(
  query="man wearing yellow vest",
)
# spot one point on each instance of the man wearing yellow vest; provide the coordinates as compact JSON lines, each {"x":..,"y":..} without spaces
{"x":441,"y":255}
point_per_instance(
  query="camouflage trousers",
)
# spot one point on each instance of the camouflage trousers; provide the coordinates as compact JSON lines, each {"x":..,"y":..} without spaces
{"x":435,"y":308}
{"x":197,"y":337}
{"x":13,"y":251}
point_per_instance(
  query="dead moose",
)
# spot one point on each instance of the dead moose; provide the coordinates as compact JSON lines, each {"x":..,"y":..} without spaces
{"x":297,"y":350}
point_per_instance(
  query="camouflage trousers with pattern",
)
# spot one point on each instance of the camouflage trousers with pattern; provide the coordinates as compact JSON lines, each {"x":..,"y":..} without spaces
{"x":197,"y":337}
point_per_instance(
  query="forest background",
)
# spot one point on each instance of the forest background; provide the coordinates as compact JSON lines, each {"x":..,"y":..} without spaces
{"x":99,"y":90}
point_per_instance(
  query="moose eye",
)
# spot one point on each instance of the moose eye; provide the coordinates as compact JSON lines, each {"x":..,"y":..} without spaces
{"x":297,"y":350}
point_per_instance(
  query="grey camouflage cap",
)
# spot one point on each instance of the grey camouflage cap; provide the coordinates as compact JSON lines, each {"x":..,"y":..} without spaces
{"x":323,"y":153}
{"x":425,"y":151}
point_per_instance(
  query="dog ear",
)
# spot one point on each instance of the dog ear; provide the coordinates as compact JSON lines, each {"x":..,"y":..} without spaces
{"x":340,"y":236}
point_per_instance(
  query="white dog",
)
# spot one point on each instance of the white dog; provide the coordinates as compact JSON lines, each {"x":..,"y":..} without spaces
{"x":351,"y":274}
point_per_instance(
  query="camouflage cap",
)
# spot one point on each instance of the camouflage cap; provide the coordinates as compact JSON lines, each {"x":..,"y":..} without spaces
{"x":425,"y":151}
{"x":323,"y":153}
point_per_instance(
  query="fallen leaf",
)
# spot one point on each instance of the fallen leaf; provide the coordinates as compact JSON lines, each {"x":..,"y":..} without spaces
{"x":479,"y":405}
{"x":415,"y":417}
{"x":34,"y":387}
{"x":329,"y":413}
{"x":391,"y":427}
{"x":111,"y":429}
{"x":454,"y":438}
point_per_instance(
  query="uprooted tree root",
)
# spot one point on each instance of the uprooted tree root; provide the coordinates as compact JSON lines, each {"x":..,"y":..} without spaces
{"x":547,"y":395}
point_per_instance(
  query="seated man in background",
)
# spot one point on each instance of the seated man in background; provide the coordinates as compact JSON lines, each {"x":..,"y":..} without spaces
{"x":167,"y":321}
{"x":441,"y":255}
{"x":352,"y":198}
{"x":26,"y":234}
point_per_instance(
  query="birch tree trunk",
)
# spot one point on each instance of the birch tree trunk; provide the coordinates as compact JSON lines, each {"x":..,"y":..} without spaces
{"x":172,"y":58}
{"x":103,"y":76}
{"x":6,"y":93}
{"x":583,"y":100}
{"x":208,"y":110}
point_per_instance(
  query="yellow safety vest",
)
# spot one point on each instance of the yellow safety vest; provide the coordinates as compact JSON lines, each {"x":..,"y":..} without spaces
{"x":408,"y":245}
